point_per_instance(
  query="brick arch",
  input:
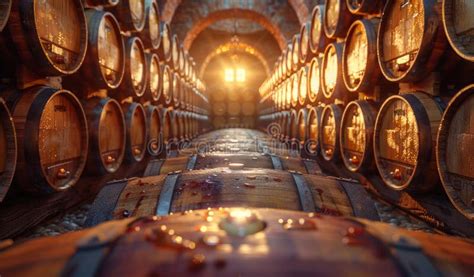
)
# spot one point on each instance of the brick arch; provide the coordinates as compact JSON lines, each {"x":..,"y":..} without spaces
{"x":218,"y":15}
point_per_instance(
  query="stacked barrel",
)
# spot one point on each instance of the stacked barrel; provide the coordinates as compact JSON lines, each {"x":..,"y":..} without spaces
{"x":89,"y":87}
{"x":382,"y":87}
{"x":233,"y":108}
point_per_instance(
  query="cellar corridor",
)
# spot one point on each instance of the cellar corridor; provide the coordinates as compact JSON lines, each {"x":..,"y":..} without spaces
{"x":236,"y":137}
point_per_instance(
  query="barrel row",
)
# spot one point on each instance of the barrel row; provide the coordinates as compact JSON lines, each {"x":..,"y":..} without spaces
{"x":50,"y":137}
{"x":413,"y":140}
{"x":118,"y":46}
{"x":338,"y":55}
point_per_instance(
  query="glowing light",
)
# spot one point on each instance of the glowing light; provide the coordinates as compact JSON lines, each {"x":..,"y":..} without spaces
{"x":240,"y":75}
{"x":229,"y":75}
{"x":235,"y":75}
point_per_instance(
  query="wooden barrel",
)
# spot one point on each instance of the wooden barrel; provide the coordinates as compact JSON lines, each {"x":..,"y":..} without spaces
{"x":458,"y":25}
{"x":104,"y":64}
{"x":137,"y":132}
{"x":302,"y":134}
{"x":154,"y":139}
{"x":365,"y":7}
{"x":49,"y":36}
{"x":106,"y":135}
{"x":100,"y":3}
{"x":405,"y":139}
{"x":167,"y":85}
{"x":356,"y":135}
{"x":166,"y":126}
{"x":329,"y":132}
{"x":200,"y":189}
{"x":234,"y":108}
{"x":219,"y":108}
{"x":292,"y":125}
{"x":210,"y":242}
{"x":318,"y":40}
{"x":182,"y":61}
{"x":295,"y":90}
{"x":131,"y":14}
{"x":175,"y":52}
{"x":295,"y":56}
{"x":154,"y":88}
{"x":337,"y":18}
{"x":303,"y":86}
{"x":52,"y":137}
{"x":289,"y":60}
{"x":359,"y":63}
{"x":165,"y":45}
{"x":285,"y":123}
{"x":176,"y":89}
{"x":454,"y":151}
{"x":8,"y":148}
{"x":332,"y":82}
{"x":305,"y":49}
{"x":314,"y":81}
{"x":5,"y":8}
{"x":248,"y":108}
{"x":136,"y":70}
{"x":151,"y":34}
{"x":410,"y":39}
{"x":176,"y":125}
{"x":313,"y":144}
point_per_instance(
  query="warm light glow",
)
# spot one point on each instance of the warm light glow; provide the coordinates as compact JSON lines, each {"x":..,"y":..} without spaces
{"x":235,"y":75}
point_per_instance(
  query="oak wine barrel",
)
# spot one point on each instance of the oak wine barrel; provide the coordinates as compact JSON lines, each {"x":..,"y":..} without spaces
{"x":154,"y":139}
{"x":455,"y":146}
{"x":131,"y":14}
{"x":8,"y":148}
{"x":211,"y":242}
{"x":49,"y":36}
{"x":219,"y":108}
{"x":182,"y":62}
{"x":5,"y":8}
{"x":136,"y":132}
{"x":295,"y":56}
{"x":411,"y":39}
{"x":314,"y":81}
{"x":135,"y":78}
{"x":234,"y":108}
{"x":313,"y":146}
{"x":100,"y":3}
{"x":166,"y":126}
{"x":301,"y":122}
{"x":356,"y":135}
{"x":303,"y":86}
{"x":317,"y":39}
{"x":459,"y":24}
{"x":151,"y":34}
{"x":153,"y":90}
{"x":167,"y":85}
{"x":52,"y":138}
{"x":224,"y":187}
{"x":176,"y":125}
{"x":366,"y":7}
{"x":164,"y":50}
{"x":292,"y":125}
{"x":361,"y":71}
{"x":405,"y":140}
{"x":176,"y":89}
{"x":329,"y":132}
{"x":332,"y":82}
{"x":337,"y":18}
{"x":289,"y":60}
{"x":104,"y":64}
{"x":305,"y":49}
{"x":175,"y":48}
{"x":295,"y":90}
{"x":106,"y":125}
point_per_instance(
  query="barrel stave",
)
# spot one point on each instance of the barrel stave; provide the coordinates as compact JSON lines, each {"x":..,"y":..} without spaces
{"x":8,"y":146}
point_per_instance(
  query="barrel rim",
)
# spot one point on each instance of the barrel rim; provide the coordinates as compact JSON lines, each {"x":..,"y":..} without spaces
{"x":450,"y":34}
{"x":316,"y":47}
{"x":150,"y":110}
{"x":5,"y":14}
{"x":315,"y":60}
{"x":154,"y":57}
{"x":338,"y":53}
{"x":152,"y":5}
{"x":6,"y":177}
{"x":441,"y":148}
{"x":411,"y":100}
{"x":304,"y":30}
{"x":316,"y":111}
{"x":302,"y":118}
